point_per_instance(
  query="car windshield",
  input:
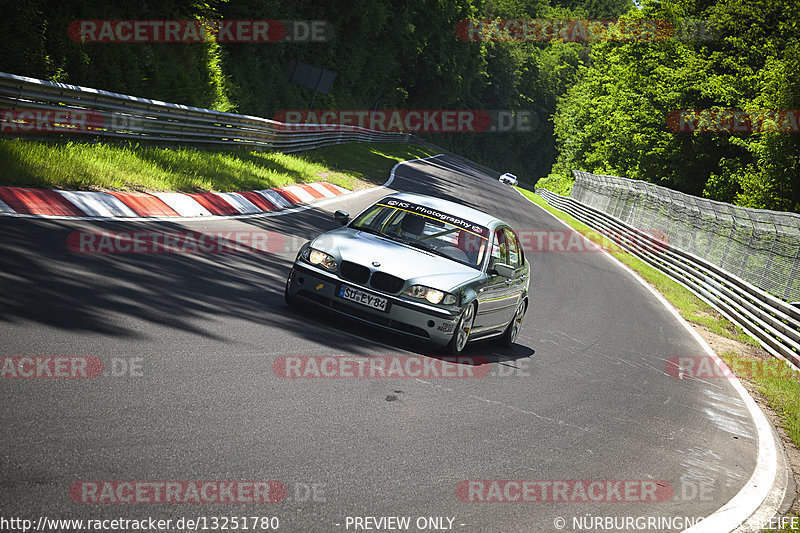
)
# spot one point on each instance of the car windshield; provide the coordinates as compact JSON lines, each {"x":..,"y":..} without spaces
{"x":426,"y":228}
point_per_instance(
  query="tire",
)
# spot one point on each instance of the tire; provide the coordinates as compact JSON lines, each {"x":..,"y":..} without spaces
{"x":512,"y":330}
{"x":290,"y":300}
{"x":463,"y":328}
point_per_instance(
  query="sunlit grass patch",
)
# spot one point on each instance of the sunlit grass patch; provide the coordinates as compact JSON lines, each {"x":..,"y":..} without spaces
{"x":122,"y":167}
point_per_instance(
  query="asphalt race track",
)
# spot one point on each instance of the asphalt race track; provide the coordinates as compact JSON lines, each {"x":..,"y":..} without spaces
{"x":188,"y":391}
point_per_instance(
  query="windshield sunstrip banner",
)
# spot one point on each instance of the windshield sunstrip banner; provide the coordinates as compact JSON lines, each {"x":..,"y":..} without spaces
{"x":424,"y":211}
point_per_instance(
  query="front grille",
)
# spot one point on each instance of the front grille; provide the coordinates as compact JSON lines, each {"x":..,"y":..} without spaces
{"x":386,"y":282}
{"x":363,"y":314}
{"x":354,"y":272}
{"x":384,"y":321}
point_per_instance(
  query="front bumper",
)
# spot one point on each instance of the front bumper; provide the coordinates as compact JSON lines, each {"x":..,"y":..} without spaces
{"x":431,"y":324}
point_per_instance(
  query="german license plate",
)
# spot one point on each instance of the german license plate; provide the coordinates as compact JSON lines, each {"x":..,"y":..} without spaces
{"x":363,"y":298}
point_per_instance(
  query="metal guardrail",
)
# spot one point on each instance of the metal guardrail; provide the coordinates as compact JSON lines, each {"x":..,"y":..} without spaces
{"x":109,"y":115}
{"x":757,"y":245}
{"x":771,"y":321}
{"x":117,"y":116}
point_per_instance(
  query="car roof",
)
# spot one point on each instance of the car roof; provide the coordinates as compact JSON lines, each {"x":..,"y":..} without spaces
{"x":451,"y":208}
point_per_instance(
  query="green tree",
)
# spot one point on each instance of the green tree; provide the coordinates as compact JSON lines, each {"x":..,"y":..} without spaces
{"x":614,"y":120}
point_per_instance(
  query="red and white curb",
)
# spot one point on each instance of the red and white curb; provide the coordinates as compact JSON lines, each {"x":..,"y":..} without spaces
{"x":22,"y":201}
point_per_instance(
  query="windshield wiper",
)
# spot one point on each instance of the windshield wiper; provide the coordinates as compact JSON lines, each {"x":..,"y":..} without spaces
{"x":367,"y":229}
{"x":417,"y":244}
{"x":390,"y":236}
{"x":437,"y":235}
{"x":414,"y":243}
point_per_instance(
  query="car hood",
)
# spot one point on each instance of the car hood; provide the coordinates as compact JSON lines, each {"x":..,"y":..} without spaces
{"x":406,"y":262}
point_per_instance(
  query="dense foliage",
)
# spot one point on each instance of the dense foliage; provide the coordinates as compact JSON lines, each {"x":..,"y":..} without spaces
{"x":597,"y":106}
{"x":613,"y":120}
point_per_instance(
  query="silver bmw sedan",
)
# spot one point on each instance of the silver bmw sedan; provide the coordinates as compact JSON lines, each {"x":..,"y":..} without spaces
{"x":421,"y":266}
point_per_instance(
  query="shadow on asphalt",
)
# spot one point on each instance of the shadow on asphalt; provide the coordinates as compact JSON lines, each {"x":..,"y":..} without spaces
{"x":46,"y":283}
{"x":481,"y":351}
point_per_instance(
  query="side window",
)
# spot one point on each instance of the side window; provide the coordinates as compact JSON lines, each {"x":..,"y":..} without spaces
{"x":499,"y":249}
{"x":515,"y":258}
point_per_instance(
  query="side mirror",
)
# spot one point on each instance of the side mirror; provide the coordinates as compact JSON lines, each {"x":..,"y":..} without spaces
{"x":342,"y":217}
{"x":507,"y":271}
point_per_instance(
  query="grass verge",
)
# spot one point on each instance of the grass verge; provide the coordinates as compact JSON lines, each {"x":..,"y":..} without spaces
{"x":776,"y":382}
{"x":101,"y":166}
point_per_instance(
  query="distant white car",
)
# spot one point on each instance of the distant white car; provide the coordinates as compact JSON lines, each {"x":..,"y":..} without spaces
{"x":510,"y":179}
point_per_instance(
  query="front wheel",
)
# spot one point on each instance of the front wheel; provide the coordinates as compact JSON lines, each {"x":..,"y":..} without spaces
{"x":463,"y":329}
{"x":291,"y":301}
{"x":512,"y":331}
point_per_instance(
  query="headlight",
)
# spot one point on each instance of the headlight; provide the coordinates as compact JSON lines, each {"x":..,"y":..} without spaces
{"x":315,"y":257}
{"x":432,"y":295}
